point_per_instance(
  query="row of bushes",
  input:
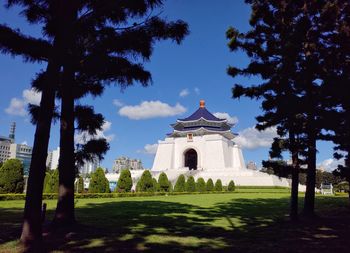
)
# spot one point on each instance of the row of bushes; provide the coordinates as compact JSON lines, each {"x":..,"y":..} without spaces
{"x":149,"y":184}
{"x":46,"y":196}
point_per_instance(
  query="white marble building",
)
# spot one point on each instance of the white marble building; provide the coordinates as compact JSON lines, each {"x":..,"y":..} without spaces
{"x":202,"y":145}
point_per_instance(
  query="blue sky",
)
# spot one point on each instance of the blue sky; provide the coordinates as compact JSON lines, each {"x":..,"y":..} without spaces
{"x":182,"y":75}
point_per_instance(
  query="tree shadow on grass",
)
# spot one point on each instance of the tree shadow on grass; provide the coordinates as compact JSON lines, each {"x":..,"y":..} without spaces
{"x":239,"y":225}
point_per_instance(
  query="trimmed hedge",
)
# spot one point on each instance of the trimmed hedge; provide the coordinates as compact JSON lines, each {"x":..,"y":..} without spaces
{"x":103,"y":195}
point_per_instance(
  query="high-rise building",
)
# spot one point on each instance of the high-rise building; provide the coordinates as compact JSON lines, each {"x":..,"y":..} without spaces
{"x":52,"y":159}
{"x":126,"y":163}
{"x":5,"y":143}
{"x":89,"y":166}
{"x":10,"y":150}
{"x":22,"y":152}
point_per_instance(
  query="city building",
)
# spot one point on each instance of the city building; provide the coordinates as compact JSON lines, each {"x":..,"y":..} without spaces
{"x":89,"y":166}
{"x":5,"y":144}
{"x":22,"y":152}
{"x":126,"y":163}
{"x":10,"y":150}
{"x":252,"y":166}
{"x":52,"y":159}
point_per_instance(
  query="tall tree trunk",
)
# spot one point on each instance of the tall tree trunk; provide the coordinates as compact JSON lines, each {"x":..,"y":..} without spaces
{"x":64,"y":214}
{"x":31,"y":236}
{"x":309,"y":202}
{"x":65,"y":206}
{"x":295,"y":178}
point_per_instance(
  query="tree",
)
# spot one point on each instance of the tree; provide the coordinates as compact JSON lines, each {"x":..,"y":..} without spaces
{"x":231,"y":186}
{"x":218,"y":186}
{"x":80,"y":185}
{"x":286,"y":47}
{"x":108,"y":54}
{"x":210,"y":185}
{"x":190,"y":184}
{"x":99,"y":182}
{"x":155,"y":185}
{"x":163,"y":182}
{"x":180,"y":185}
{"x":124,"y":182}
{"x":145,"y":183}
{"x":200,"y":185}
{"x":11,"y":177}
{"x":337,"y":77}
{"x":33,"y":49}
{"x":51,"y":181}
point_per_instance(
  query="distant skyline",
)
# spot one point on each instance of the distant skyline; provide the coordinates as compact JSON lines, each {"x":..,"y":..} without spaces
{"x":137,"y":117}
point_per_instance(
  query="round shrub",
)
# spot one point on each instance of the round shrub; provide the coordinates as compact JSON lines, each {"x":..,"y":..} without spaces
{"x":11,"y":176}
{"x":218,"y":186}
{"x":146,"y":183}
{"x":190,"y":185}
{"x":99,"y":182}
{"x":231,"y":186}
{"x":124,"y":182}
{"x":51,"y":181}
{"x":163,"y":183}
{"x":200,"y":185}
{"x":210,"y":185}
{"x":180,"y":185}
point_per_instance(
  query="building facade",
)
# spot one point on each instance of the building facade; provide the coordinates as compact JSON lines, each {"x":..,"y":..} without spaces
{"x":10,"y":150}
{"x":126,"y":163}
{"x":22,"y":152}
{"x":200,"y":141}
{"x":52,"y":159}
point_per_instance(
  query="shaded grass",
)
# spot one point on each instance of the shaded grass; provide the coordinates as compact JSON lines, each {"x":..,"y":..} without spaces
{"x":237,"y":222}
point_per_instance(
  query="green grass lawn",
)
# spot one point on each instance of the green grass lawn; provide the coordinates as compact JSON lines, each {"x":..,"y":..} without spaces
{"x":237,"y":222}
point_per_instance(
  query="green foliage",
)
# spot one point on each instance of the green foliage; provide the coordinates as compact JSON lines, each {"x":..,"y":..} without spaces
{"x":231,"y":186}
{"x":155,"y":185}
{"x":218,"y":186}
{"x":99,"y":182}
{"x":51,"y":181}
{"x":146,"y":183}
{"x":163,"y":182}
{"x":124,"y":182}
{"x":210,"y":185}
{"x":190,"y":184}
{"x":11,"y":177}
{"x":180,"y":185}
{"x":171,"y":189}
{"x":200,"y":185}
{"x":80,"y":185}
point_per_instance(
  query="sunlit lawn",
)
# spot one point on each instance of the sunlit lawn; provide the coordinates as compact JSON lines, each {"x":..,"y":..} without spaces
{"x":237,"y":222}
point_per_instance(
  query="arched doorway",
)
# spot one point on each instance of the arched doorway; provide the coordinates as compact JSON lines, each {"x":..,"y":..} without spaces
{"x":191,"y":159}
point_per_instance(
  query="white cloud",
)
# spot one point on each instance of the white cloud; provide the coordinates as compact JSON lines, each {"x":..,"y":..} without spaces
{"x":18,"y":105}
{"x":31,"y":96}
{"x":184,"y":93}
{"x":196,"y":90}
{"x":330,"y":164}
{"x":150,"y":149}
{"x":83,"y":137}
{"x":118,"y":103}
{"x":151,"y":109}
{"x":24,"y":143}
{"x":250,"y":138}
{"x":225,"y":115}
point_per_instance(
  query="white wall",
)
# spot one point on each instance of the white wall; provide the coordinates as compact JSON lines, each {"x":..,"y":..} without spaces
{"x":214,"y":152}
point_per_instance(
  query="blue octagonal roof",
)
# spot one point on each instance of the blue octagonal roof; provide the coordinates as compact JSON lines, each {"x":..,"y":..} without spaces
{"x":202,"y":112}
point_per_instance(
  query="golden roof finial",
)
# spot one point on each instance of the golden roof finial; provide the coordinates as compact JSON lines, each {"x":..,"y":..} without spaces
{"x":202,"y":103}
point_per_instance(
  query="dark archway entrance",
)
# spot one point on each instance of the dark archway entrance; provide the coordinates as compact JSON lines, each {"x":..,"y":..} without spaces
{"x":191,"y":159}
